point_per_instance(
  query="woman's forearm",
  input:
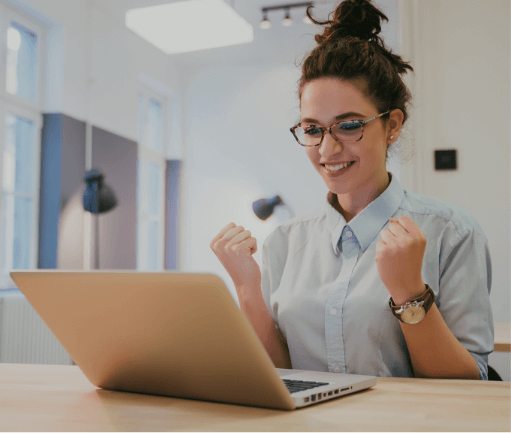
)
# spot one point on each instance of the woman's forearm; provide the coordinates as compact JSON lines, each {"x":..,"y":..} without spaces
{"x":435,"y":351}
{"x":253,"y":306}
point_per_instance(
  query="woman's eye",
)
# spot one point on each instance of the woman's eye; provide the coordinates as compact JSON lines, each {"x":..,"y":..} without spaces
{"x":348,"y":127}
{"x":312,"y":131}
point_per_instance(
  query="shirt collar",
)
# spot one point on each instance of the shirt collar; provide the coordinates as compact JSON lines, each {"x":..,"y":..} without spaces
{"x":368,"y":223}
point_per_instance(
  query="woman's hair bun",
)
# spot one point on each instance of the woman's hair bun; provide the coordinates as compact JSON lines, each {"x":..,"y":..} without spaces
{"x":352,"y":18}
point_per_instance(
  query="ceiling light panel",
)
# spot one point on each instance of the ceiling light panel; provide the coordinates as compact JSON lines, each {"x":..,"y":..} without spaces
{"x":191,"y":25}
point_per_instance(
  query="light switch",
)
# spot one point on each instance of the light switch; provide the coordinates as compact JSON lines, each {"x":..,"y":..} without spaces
{"x":445,"y":159}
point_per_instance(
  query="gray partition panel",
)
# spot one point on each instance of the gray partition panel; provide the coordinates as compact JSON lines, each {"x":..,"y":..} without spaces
{"x":61,"y":233}
{"x":116,"y":158}
{"x":70,"y":248}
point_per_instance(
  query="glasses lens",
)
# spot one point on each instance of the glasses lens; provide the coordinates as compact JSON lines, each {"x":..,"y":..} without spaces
{"x":348,"y":132}
{"x":345,"y":132}
{"x":308,"y":136}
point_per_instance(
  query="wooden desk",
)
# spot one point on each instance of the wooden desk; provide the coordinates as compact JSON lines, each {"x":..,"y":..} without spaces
{"x":60,"y":398}
{"x":502,"y":337}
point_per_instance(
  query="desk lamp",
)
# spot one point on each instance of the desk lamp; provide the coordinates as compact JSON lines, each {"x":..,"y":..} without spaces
{"x":98,"y":198}
{"x":264,"y":208}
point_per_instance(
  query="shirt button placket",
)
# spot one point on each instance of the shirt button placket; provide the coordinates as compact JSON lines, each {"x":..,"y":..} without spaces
{"x":333,"y":317}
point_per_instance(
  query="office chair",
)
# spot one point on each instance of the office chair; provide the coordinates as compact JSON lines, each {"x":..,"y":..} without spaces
{"x":493,"y":375}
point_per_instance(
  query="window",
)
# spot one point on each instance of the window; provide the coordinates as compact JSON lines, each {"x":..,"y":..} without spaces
{"x":21,"y":109}
{"x":152,"y":133}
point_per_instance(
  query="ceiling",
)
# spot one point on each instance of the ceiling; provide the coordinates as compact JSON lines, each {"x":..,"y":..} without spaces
{"x":277,"y":44}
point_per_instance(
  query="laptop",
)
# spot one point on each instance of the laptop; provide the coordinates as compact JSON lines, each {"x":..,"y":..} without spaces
{"x":173,"y":334}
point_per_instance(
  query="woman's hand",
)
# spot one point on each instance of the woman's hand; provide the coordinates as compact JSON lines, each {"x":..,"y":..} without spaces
{"x":399,"y":257}
{"x":234,"y":247}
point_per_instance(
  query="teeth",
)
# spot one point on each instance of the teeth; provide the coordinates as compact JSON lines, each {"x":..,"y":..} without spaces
{"x":338,"y":167}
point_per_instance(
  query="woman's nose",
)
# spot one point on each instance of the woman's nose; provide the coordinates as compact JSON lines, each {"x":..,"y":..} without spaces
{"x":329,"y":145}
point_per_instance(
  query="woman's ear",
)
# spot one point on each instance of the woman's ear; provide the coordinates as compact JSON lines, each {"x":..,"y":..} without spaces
{"x":394,"y":125}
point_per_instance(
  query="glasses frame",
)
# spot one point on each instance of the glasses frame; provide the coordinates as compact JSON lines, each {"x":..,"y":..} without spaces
{"x":329,"y":129}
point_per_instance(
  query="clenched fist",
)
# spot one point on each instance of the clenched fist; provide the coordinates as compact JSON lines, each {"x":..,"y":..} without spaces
{"x":234,"y":247}
{"x":399,"y":257}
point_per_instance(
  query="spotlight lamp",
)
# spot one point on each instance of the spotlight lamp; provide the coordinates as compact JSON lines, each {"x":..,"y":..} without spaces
{"x":265,"y":23}
{"x":287,"y":21}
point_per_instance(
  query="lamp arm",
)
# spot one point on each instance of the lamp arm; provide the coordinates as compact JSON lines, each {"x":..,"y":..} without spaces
{"x":289,"y":210}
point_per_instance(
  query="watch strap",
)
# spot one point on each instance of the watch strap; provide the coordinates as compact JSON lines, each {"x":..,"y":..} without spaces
{"x":428,"y":297}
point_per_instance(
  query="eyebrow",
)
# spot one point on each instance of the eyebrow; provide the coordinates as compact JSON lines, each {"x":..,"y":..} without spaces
{"x":337,"y":118}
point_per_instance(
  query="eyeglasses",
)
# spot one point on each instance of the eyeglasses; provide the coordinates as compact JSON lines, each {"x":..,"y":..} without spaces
{"x":343,"y":132}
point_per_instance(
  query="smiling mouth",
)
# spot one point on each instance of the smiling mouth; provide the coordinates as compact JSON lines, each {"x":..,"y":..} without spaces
{"x":339,"y":167}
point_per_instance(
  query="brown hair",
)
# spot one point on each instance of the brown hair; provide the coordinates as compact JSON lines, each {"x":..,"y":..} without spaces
{"x":350,"y":49}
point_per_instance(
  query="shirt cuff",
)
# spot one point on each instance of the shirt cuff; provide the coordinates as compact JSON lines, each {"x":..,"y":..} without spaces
{"x":482,"y":365}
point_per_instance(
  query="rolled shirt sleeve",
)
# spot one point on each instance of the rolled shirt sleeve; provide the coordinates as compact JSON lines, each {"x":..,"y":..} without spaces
{"x":464,"y":290}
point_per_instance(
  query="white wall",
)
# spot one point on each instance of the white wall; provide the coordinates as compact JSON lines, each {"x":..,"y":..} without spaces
{"x":239,"y":149}
{"x":102,"y":64}
{"x":460,"y":50}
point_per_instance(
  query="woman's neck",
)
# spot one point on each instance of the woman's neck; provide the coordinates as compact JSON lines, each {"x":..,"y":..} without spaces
{"x":351,"y":204}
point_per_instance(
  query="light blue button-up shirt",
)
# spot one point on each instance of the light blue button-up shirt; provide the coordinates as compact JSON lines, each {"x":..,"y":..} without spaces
{"x":321,"y":284}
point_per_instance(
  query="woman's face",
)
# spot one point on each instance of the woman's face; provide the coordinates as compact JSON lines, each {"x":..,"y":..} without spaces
{"x":325,"y":101}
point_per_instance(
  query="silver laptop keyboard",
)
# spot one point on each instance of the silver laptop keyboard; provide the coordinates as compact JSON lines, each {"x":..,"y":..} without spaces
{"x":301,"y":385}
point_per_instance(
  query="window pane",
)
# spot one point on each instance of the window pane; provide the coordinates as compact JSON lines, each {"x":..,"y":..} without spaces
{"x":21,"y":61}
{"x":16,"y":232}
{"x":19,"y":152}
{"x":154,"y":186}
{"x":154,"y":125}
{"x":152,"y":246}
{"x":140,"y":193}
{"x":141,"y":117}
{"x":7,"y":232}
{"x":9,"y":176}
{"x":22,"y":233}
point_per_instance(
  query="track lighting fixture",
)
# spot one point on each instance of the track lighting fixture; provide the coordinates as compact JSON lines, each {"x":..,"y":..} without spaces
{"x":287,"y":21}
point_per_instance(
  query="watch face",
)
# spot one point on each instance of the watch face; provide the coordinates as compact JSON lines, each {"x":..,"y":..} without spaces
{"x":413,"y":314}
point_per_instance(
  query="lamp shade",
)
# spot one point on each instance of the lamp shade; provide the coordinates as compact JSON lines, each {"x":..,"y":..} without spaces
{"x":264,"y":208}
{"x":98,"y":197}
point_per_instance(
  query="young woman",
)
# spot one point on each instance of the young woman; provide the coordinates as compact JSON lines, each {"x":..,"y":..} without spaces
{"x":377,"y":281}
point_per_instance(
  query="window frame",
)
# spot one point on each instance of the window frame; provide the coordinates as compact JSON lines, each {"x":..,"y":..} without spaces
{"x":147,"y":155}
{"x":27,"y":109}
{"x":7,"y":14}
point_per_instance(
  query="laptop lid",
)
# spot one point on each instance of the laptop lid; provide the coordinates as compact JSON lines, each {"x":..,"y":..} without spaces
{"x":168,"y":333}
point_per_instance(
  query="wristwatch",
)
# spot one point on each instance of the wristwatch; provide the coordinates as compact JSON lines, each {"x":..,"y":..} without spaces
{"x":415,"y":310}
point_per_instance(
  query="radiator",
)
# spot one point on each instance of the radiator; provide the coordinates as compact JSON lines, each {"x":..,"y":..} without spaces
{"x":24,"y":337}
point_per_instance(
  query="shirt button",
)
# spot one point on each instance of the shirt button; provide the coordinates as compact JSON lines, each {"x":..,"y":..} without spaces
{"x":333,"y":311}
{"x":337,"y":369}
{"x":348,"y":234}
